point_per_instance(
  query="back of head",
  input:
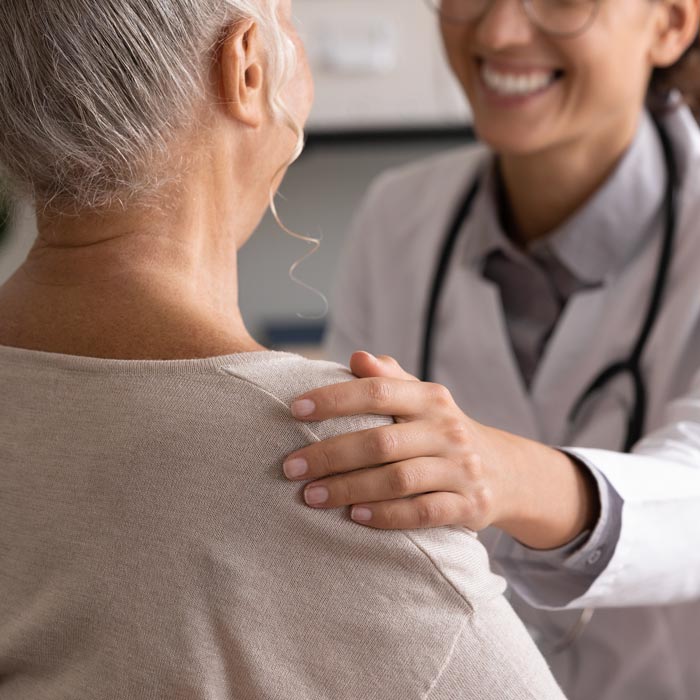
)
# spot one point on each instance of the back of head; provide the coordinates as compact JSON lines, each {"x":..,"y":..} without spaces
{"x":92,"y":94}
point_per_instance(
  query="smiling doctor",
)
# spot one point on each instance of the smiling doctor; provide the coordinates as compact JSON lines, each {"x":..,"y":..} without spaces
{"x":547,"y":285}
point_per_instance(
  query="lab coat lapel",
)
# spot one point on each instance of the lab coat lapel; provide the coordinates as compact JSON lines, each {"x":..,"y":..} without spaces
{"x":573,"y":358}
{"x":472,"y":340}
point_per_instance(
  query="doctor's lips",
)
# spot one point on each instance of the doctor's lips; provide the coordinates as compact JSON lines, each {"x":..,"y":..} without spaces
{"x":516,"y":81}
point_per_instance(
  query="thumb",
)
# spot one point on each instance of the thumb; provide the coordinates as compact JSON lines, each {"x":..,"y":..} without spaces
{"x":364,"y":365}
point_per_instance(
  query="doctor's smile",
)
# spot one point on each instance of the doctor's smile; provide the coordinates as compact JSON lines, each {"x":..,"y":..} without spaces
{"x":514,"y":81}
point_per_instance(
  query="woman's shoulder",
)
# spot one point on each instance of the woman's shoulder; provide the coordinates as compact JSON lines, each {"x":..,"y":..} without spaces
{"x":431,"y":181}
{"x":409,"y":206}
{"x":174,"y":472}
{"x":285,"y":372}
{"x":283,"y":377}
{"x":685,"y":136}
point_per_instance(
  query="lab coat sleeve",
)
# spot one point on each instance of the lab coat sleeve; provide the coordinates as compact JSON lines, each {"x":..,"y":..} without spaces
{"x":554,"y":578}
{"x":656,"y":557}
{"x":350,"y":322}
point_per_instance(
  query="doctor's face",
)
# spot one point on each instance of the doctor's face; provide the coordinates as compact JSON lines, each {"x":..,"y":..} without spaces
{"x":531,"y":91}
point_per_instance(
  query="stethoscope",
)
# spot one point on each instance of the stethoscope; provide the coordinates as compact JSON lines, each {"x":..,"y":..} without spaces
{"x":630,"y":365}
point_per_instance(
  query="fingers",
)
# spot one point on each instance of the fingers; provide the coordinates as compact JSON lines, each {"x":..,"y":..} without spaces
{"x":392,"y":481}
{"x":430,"y":475}
{"x":364,"y":365}
{"x":376,"y":395}
{"x":367,"y":448}
{"x":418,"y":513}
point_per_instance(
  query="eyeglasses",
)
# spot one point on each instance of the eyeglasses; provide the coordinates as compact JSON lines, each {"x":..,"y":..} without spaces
{"x":559,"y":18}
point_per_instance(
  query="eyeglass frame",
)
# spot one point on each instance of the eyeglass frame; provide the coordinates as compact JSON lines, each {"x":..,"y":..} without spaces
{"x":434,"y":6}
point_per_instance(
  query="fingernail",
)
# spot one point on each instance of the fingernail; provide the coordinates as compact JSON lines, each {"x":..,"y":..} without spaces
{"x":361,"y":515}
{"x":303,"y":408}
{"x":370,"y":355}
{"x":294,"y":468}
{"x":315,"y":496}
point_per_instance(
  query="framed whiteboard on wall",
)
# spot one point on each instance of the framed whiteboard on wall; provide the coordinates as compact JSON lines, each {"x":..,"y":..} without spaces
{"x":378,"y":65}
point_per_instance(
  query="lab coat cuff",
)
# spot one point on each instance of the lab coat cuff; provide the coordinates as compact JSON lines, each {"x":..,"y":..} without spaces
{"x":555,"y":579}
{"x":655,"y":560}
{"x":594,"y":555}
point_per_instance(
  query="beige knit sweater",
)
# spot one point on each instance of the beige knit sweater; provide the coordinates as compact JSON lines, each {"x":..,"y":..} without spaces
{"x":150,"y":548}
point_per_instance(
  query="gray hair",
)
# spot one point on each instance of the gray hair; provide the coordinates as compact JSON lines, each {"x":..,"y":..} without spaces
{"x":92,"y":92}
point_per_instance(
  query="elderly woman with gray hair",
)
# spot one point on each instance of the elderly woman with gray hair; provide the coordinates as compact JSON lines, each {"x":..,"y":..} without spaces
{"x":149,"y":544}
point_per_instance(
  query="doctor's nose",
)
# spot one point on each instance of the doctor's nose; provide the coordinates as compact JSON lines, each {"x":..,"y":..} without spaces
{"x":504,"y":24}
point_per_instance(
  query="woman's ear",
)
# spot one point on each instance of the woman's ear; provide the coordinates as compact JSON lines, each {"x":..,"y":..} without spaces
{"x":677,"y":29}
{"x":242,"y":75}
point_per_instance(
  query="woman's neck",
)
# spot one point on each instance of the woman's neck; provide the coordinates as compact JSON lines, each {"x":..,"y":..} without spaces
{"x":151,"y":284}
{"x":128,"y":318}
{"x":544,"y":189}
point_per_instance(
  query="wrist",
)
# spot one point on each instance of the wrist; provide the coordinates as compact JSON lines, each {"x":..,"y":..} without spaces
{"x":551,"y":499}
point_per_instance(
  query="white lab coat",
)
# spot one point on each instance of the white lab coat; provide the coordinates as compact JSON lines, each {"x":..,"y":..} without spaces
{"x":644,"y":640}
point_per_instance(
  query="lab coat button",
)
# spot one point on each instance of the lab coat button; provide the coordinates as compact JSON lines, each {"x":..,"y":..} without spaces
{"x":594,"y":557}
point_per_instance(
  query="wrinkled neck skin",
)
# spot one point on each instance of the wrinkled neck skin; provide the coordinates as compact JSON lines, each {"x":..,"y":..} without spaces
{"x":144,"y":282}
{"x":543,"y":190}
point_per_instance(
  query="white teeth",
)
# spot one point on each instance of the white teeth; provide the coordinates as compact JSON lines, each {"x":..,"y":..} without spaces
{"x":519,"y":85}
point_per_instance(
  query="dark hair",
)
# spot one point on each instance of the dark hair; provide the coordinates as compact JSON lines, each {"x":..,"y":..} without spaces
{"x":683,"y":76}
{"x":4,"y":219}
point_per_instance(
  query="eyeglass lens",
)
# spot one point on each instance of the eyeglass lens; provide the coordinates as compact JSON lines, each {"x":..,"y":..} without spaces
{"x":557,"y":17}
